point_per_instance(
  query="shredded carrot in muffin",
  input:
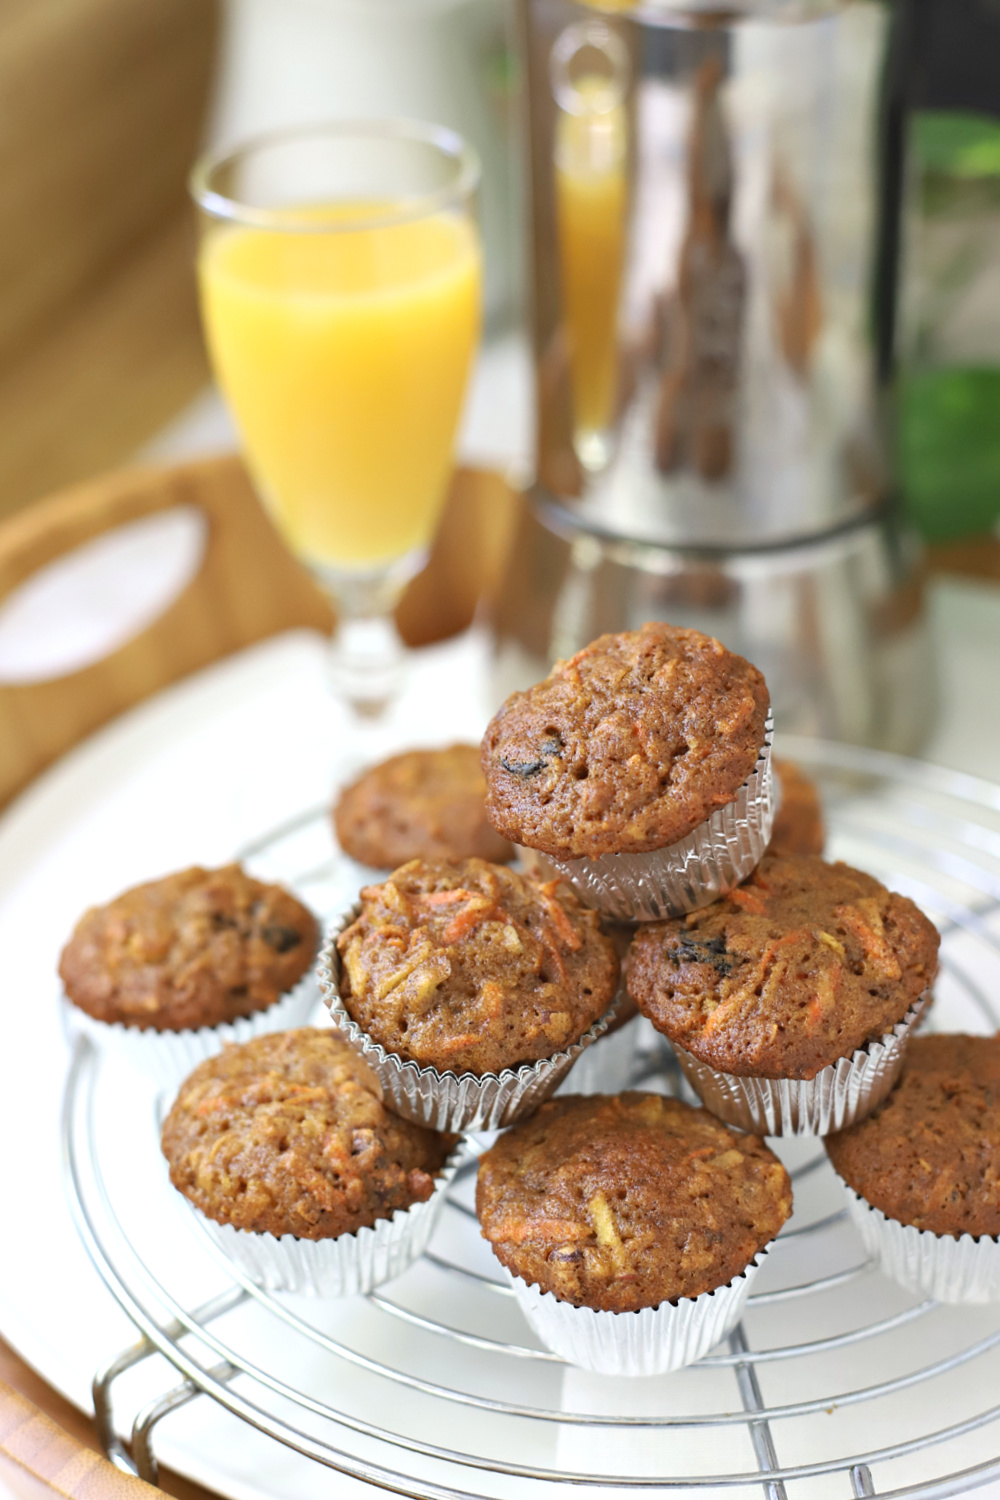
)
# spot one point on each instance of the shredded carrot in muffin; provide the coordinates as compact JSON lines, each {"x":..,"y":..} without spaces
{"x":491,"y":971}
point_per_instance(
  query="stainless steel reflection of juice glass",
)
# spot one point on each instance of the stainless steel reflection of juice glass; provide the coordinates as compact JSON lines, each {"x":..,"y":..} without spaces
{"x":340,"y":275}
{"x":589,"y":76}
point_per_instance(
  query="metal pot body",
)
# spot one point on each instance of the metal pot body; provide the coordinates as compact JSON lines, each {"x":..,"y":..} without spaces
{"x":836,"y":624}
{"x":705,"y":232}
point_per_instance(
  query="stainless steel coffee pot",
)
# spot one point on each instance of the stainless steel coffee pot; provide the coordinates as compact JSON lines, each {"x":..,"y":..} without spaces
{"x":709,"y":240}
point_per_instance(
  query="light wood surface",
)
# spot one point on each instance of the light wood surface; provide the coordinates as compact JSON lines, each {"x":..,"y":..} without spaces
{"x":119,"y":364}
{"x":103,"y":109}
{"x":48,"y":1448}
{"x":104,"y":105}
{"x":38,"y":1458}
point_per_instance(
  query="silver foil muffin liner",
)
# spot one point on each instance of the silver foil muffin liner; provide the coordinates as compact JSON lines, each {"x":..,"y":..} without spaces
{"x":695,"y":871}
{"x":449,"y":1101}
{"x":650,"y":1342}
{"x":941,"y":1266}
{"x":345,"y":1266}
{"x":167,"y":1057}
{"x":839,"y":1095}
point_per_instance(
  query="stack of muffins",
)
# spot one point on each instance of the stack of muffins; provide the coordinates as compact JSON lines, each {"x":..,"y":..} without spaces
{"x":638,"y":785}
{"x":640,"y":772}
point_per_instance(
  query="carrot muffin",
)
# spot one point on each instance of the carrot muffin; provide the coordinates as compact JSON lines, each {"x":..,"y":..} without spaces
{"x":623,"y":1202}
{"x":286,"y":1135}
{"x":473,"y":968}
{"x":922,"y":1173}
{"x":627,"y":746}
{"x":800,"y":966}
{"x":798,"y":823}
{"x":196,"y":949}
{"x":423,"y":804}
{"x":930,"y":1154}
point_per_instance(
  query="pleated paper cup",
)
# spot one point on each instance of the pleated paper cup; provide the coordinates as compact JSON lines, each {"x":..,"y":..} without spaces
{"x":345,"y":1266}
{"x":449,"y":1101}
{"x":650,"y":1342}
{"x":695,"y":871}
{"x":942,"y":1266}
{"x":839,"y":1095}
{"x":167,"y":1057}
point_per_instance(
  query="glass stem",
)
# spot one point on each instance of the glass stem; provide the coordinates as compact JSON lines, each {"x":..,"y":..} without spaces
{"x":367,"y":656}
{"x":366,"y":662}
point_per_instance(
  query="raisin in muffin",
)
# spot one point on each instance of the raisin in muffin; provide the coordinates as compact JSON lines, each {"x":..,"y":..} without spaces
{"x":473,"y":968}
{"x":196,"y":949}
{"x":286,"y":1134}
{"x":801,"y":965}
{"x":423,"y":804}
{"x":622,"y":1202}
{"x":626,"y":747}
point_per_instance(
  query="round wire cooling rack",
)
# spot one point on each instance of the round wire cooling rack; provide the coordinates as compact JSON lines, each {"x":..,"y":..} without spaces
{"x":837,"y":1383}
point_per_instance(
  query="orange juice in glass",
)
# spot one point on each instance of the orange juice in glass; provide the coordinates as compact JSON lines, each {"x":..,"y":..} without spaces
{"x":340,"y":276}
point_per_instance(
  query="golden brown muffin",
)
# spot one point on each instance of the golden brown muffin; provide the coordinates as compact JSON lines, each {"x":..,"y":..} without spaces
{"x":473,"y":968}
{"x":286,"y":1135}
{"x":798,"y":823}
{"x":627,"y":746}
{"x":625,"y":1201}
{"x":194,"y":949}
{"x":423,"y":804}
{"x":802,"y":964}
{"x":930,"y":1154}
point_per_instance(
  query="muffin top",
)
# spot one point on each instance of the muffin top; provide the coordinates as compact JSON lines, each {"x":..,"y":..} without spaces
{"x":798,"y":823}
{"x":471,"y":967}
{"x":193,"y":949}
{"x":930,"y":1154}
{"x":423,"y":804}
{"x":627,"y":746}
{"x":802,"y":964}
{"x":625,"y":1201}
{"x":286,"y":1134}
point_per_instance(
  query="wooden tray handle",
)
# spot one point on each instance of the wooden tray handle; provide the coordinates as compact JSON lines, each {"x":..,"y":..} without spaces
{"x":248,"y":587}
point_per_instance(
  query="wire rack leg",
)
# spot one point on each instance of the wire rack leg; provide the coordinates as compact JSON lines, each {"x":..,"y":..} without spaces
{"x":861,"y":1481}
{"x":100,"y":1388}
{"x":760,"y":1432}
{"x":145,"y":1464}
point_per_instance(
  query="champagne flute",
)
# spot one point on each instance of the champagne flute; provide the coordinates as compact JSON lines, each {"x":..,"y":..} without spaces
{"x":340,"y":275}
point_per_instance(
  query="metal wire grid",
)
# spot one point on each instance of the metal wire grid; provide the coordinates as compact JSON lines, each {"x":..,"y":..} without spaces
{"x":938,"y":835}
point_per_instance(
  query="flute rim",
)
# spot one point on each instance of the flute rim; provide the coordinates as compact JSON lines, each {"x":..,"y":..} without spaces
{"x":229,"y":209}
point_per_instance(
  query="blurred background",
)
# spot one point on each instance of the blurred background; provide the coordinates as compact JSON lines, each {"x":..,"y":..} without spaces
{"x":839,"y":167}
{"x":108,"y":102}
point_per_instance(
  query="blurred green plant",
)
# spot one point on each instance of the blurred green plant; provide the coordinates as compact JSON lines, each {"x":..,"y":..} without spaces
{"x":949,"y":441}
{"x":949,"y":379}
